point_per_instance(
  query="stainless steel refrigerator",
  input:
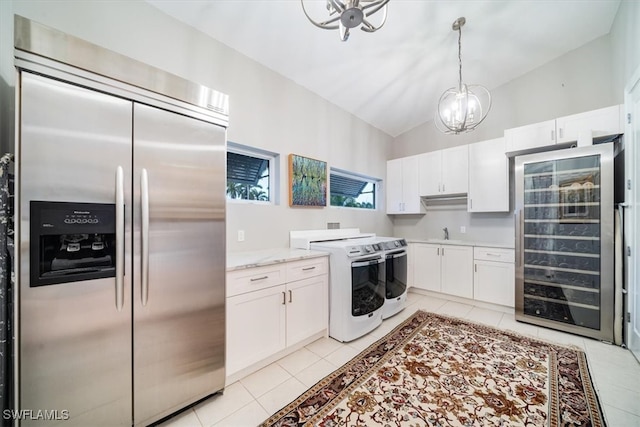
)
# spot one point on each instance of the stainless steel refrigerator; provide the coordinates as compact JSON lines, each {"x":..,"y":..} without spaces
{"x":565,"y":240}
{"x":122,"y":246}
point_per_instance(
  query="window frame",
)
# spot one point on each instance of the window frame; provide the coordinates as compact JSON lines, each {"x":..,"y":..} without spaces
{"x":377,"y":182}
{"x":270,"y":157}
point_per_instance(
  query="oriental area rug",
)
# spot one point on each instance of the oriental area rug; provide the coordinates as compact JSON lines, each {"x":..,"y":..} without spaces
{"x":434,"y":370}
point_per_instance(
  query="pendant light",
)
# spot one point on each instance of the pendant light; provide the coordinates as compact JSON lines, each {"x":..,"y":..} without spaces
{"x":462,"y":108}
{"x":347,"y":14}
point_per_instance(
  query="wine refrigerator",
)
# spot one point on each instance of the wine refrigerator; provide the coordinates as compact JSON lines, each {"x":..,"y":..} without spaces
{"x":564,"y":221}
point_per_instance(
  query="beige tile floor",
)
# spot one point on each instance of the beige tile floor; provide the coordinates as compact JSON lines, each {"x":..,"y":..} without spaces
{"x":252,"y":399}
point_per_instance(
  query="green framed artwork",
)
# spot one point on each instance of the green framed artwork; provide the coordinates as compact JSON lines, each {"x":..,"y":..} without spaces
{"x":307,"y":182}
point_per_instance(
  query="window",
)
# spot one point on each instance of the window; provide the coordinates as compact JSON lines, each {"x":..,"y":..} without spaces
{"x":352,"y":190}
{"x":249,"y":173}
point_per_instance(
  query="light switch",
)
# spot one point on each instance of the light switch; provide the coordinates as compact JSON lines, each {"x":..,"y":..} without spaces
{"x":240,"y":235}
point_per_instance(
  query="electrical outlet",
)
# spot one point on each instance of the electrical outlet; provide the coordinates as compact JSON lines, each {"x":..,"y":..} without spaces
{"x":463,"y":229}
{"x":240,"y":235}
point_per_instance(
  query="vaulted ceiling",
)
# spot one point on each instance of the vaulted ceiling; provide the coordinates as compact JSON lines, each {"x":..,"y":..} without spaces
{"x":393,"y":78}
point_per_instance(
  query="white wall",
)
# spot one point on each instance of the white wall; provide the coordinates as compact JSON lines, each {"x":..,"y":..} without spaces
{"x":266,"y":110}
{"x":625,"y":37}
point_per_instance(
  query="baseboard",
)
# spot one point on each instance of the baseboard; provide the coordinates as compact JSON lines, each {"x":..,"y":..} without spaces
{"x":475,"y":303}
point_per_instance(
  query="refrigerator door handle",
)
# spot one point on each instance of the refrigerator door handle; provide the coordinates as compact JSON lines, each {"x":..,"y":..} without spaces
{"x":119,"y":238}
{"x":144,"y":210}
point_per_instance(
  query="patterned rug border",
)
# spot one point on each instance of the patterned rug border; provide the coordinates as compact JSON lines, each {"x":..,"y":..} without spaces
{"x":396,"y":337}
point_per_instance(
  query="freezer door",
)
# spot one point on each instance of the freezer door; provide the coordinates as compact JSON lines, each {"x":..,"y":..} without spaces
{"x":179,"y":261}
{"x":75,"y":337}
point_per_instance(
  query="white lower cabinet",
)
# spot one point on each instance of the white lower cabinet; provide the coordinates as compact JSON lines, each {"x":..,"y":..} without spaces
{"x":269,"y":309}
{"x":480,"y":273}
{"x":494,"y":276}
{"x":444,"y":268}
{"x":457,"y":275}
{"x":426,"y":266}
{"x":256,"y":325}
{"x":307,"y":309}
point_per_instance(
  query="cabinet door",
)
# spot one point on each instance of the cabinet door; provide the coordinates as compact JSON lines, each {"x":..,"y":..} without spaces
{"x":410,"y":181}
{"x":426,"y":268}
{"x":494,"y":282}
{"x":457,"y":270}
{"x":488,"y":177}
{"x":255,"y":327}
{"x":602,"y":122}
{"x":455,"y":165}
{"x":394,"y":186}
{"x":411,"y":253}
{"x":307,"y":308}
{"x":530,"y":136}
{"x":430,"y":173}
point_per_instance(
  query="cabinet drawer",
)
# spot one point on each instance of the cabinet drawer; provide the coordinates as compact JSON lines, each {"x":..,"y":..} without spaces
{"x":253,"y":279}
{"x":298,"y":270}
{"x":494,"y":254}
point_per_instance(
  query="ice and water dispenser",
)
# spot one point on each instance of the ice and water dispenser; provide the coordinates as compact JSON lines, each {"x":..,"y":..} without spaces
{"x":71,"y":242}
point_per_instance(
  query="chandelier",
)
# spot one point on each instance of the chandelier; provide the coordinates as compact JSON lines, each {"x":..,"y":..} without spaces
{"x":462,"y":108}
{"x":347,"y":14}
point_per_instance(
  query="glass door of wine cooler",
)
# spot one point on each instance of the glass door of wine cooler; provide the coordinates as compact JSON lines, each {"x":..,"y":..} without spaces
{"x":564,"y":214}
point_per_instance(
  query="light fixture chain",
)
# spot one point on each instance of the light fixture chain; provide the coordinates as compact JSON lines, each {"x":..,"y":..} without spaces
{"x":460,"y":58}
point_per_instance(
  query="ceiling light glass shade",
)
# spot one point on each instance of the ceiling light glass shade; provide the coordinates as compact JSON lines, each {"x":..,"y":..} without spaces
{"x":347,"y":14}
{"x":462,"y":108}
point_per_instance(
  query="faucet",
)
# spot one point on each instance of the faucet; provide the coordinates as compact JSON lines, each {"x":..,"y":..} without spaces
{"x":446,"y":233}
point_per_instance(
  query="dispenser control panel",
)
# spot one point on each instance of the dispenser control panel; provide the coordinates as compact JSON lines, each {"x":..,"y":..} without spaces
{"x":71,"y":242}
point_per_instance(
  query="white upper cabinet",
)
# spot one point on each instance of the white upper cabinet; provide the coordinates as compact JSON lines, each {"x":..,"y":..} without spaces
{"x":430,"y":173}
{"x":530,"y":136}
{"x":455,"y":170}
{"x":488,"y":177}
{"x":602,"y":122}
{"x":402,"y":186}
{"x":444,"y":172}
{"x":579,"y":128}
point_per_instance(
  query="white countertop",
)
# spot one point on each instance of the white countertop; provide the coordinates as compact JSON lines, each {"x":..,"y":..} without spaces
{"x":462,"y":243}
{"x":248,"y":259}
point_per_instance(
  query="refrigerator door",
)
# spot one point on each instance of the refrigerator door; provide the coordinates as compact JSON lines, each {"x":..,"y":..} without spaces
{"x":564,"y":271}
{"x":74,"y":337}
{"x":179,"y":261}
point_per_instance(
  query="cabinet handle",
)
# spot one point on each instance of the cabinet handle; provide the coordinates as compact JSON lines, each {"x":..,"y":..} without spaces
{"x":442,"y":251}
{"x":309,"y":268}
{"x":443,"y":187}
{"x":438,"y":251}
{"x":284,"y":298}
{"x":439,"y":187}
{"x":475,"y":267}
{"x":470,"y":203}
{"x":561,"y":133}
{"x":290,"y":296}
{"x":553,"y":135}
{"x":490,"y":254}
{"x":255,"y":279}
